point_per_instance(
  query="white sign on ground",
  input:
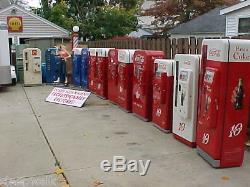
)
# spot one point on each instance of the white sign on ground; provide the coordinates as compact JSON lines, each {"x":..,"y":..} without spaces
{"x":68,"y":97}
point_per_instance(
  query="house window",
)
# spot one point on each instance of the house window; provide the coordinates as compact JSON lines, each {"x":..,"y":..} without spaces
{"x":244,"y":25}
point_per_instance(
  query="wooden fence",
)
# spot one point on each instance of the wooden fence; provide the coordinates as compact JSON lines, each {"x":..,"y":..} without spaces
{"x":169,"y":46}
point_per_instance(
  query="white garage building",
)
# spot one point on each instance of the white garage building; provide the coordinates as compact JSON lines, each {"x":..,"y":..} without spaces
{"x":24,"y":24}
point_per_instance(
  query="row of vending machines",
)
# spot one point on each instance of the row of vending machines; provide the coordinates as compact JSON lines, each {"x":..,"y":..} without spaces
{"x":203,"y":99}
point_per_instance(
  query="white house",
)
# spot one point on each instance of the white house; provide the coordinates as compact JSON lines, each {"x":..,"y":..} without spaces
{"x":237,"y":19}
{"x":23,"y":24}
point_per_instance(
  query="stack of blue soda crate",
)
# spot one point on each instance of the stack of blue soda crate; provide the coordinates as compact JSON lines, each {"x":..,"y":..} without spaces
{"x":54,"y":67}
{"x":80,"y":58}
{"x":76,"y":66}
{"x":84,"y":69}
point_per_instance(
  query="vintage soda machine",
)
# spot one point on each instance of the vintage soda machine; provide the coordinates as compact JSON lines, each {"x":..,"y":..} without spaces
{"x":142,"y":82}
{"x":84,"y":67}
{"x":224,"y":101}
{"x":76,"y":66}
{"x":112,"y":75}
{"x":102,"y":72}
{"x":92,"y":69}
{"x":185,"y":98}
{"x":32,"y":66}
{"x":5,"y":69}
{"x":52,"y":65}
{"x":163,"y":81}
{"x":125,"y":79}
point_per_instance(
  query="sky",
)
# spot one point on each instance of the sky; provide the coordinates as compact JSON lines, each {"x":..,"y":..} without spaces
{"x":33,"y":3}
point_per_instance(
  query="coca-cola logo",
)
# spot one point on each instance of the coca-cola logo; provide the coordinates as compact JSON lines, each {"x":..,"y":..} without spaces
{"x":187,"y":62}
{"x":139,"y":58}
{"x":162,"y":66}
{"x":214,"y":52}
{"x":112,"y":53}
{"x":241,"y":54}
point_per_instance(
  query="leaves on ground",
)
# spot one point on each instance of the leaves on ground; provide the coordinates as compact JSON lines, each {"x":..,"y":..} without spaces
{"x":97,"y":183}
{"x":59,"y":171}
{"x":66,"y":185}
{"x":225,"y":178}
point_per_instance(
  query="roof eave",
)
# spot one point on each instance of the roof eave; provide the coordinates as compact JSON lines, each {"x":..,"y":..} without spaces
{"x":234,"y":7}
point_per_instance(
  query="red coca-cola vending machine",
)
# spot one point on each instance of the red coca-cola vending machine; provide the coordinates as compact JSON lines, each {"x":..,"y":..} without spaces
{"x":92,"y":69}
{"x":224,"y":102}
{"x":102,"y":72}
{"x":163,"y":81}
{"x":113,"y":75}
{"x":125,"y":79}
{"x":142,"y":82}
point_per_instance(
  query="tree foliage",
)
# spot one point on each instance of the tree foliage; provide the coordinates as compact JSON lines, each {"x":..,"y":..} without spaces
{"x":111,"y":21}
{"x":97,"y":19}
{"x":172,"y":12}
{"x":57,"y":14}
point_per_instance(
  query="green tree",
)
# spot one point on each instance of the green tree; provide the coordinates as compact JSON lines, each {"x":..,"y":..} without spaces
{"x":57,"y":13}
{"x":127,"y":4}
{"x":111,"y":21}
{"x":45,"y":10}
{"x":96,"y":18}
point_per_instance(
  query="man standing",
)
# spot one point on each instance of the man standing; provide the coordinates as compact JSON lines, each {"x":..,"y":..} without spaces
{"x":65,"y":56}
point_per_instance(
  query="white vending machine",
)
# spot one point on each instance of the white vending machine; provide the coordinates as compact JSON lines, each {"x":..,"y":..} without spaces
{"x":5,"y":69}
{"x":32,"y":66}
{"x":185,"y":98}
